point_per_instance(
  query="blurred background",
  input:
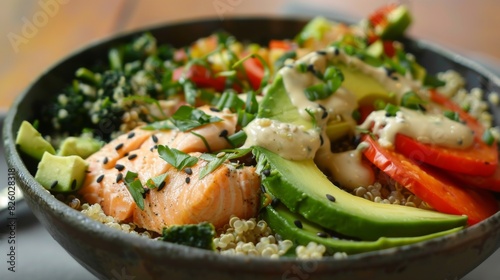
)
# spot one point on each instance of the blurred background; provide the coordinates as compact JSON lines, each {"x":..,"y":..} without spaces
{"x":36,"y":34}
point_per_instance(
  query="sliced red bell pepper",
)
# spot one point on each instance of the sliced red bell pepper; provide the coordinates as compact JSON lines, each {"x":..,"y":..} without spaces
{"x":480,"y":159}
{"x":429,"y":185}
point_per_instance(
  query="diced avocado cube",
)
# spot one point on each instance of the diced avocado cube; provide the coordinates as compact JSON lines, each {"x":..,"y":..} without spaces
{"x":31,"y":142}
{"x":376,"y":49}
{"x":79,"y":146}
{"x":61,"y":173}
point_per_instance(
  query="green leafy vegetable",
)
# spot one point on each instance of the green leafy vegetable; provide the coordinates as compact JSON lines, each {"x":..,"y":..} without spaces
{"x":432,"y":81}
{"x":135,"y":188}
{"x":488,"y":137}
{"x":176,"y":158}
{"x":391,"y":110}
{"x":199,"y":235}
{"x":156,"y":181}
{"x":187,"y":118}
{"x":454,"y":116}
{"x":412,"y":100}
{"x":216,"y":161}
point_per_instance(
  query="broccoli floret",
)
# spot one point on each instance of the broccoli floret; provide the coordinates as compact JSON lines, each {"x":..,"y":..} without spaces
{"x":199,"y":235}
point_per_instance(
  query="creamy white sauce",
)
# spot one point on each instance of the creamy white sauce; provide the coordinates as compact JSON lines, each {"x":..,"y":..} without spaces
{"x":424,"y":127}
{"x":347,"y":168}
{"x":287,"y":140}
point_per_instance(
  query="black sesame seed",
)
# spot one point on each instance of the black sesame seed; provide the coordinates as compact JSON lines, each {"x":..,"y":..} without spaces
{"x":262,"y":189}
{"x":126,"y":154}
{"x":130,"y":135}
{"x":132,"y":156}
{"x":325,"y":114}
{"x":213,"y":109}
{"x":275,"y":202}
{"x":330,"y":197}
{"x":321,"y":52}
{"x":188,"y":171}
{"x":266,"y":172}
{"x":105,"y":160}
{"x":119,"y":177}
{"x":54,"y":184}
{"x":298,"y":223}
{"x":389,"y":71}
{"x":422,"y":108}
{"x":188,"y":180}
{"x":119,"y":167}
{"x":100,"y":178}
{"x":162,"y":184}
{"x":311,"y":69}
{"x":155,"y":147}
{"x":321,"y":140}
{"x":73,"y":184}
{"x":146,"y":191}
{"x":155,"y":139}
{"x":223,"y":133}
{"x":119,"y":146}
{"x":322,"y":234}
{"x":336,"y":51}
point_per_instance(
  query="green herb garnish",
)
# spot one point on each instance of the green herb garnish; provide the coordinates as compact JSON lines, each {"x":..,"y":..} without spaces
{"x":176,"y":158}
{"x":488,"y":137}
{"x":156,"y":181}
{"x":135,"y":188}
{"x":216,"y":161}
{"x":187,"y":118}
{"x":454,"y":116}
{"x":391,"y":110}
{"x":412,"y":100}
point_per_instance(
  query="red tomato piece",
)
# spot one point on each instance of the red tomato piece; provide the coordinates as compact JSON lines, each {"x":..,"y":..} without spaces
{"x":431,"y":186}
{"x":254,"y":71}
{"x":201,"y":76}
{"x":280,"y":44}
{"x":379,"y":16}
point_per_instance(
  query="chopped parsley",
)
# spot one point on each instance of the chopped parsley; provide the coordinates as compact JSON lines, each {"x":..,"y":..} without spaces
{"x":176,"y":158}
{"x":187,"y":118}
{"x":135,"y":188}
{"x":156,"y":181}
{"x":215,"y":161}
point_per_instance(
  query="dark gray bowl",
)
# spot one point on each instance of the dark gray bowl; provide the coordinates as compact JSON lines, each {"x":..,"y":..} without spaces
{"x":109,"y":253}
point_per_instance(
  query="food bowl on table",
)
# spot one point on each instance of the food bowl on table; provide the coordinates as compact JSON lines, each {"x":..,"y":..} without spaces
{"x":107,"y":252}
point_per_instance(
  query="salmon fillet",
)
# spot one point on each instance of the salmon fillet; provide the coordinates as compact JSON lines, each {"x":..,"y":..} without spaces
{"x":226,"y":191}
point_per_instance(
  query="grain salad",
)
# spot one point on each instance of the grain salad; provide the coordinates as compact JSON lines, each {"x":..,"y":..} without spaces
{"x":332,"y":143}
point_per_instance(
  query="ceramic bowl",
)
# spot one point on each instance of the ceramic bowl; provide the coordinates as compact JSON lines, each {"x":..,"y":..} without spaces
{"x":109,"y":253}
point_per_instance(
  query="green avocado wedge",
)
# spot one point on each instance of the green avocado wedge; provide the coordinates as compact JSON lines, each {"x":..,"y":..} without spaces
{"x":301,"y":231}
{"x":304,"y":189}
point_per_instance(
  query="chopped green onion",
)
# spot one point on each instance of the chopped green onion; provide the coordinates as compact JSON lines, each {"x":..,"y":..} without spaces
{"x":115,"y":59}
{"x":432,"y":81}
{"x":86,"y":76}
{"x":356,"y":115}
{"x":454,"y":116}
{"x":237,"y":139}
{"x":317,"y":91}
{"x":230,"y":100}
{"x":488,"y":137}
{"x":301,"y":67}
{"x":391,"y":110}
{"x":412,"y":100}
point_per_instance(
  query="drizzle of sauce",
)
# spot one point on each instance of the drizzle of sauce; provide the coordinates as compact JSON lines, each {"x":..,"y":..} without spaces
{"x":424,"y":127}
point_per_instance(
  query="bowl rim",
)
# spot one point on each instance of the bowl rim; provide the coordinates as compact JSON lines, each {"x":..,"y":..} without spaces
{"x":81,"y":222}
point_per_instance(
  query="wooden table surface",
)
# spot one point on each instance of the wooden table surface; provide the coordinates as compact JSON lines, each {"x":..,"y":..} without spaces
{"x":36,"y":34}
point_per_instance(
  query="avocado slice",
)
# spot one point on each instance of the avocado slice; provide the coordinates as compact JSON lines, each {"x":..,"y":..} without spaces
{"x":302,"y":188}
{"x":301,"y":231}
{"x":314,"y":29}
{"x":31,"y":142}
{"x":79,"y":146}
{"x":61,"y":173}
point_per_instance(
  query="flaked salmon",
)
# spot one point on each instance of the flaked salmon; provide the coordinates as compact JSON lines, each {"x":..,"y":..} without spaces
{"x":183,"y":198}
